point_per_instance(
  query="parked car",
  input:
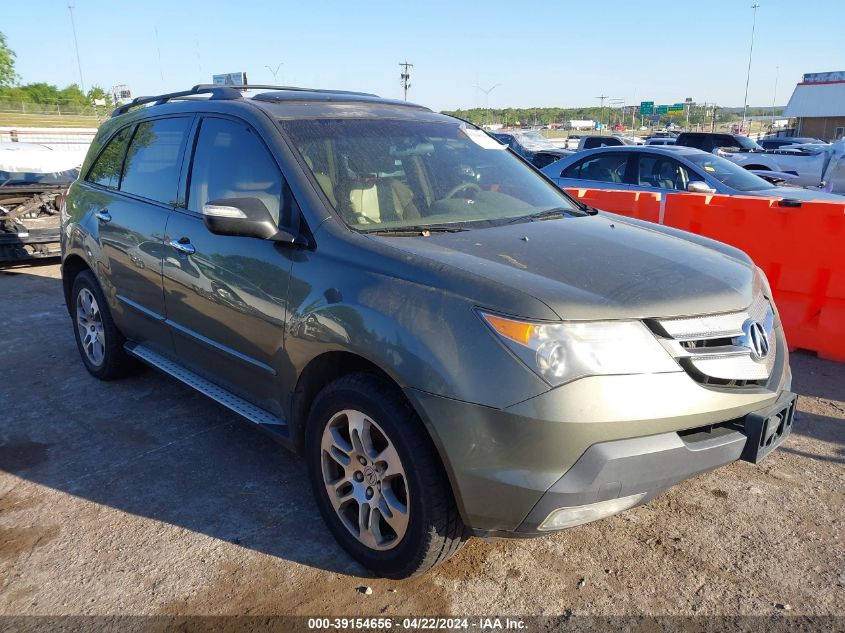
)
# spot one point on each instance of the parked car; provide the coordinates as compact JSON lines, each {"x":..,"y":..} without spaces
{"x":532,"y":146}
{"x":660,"y":141}
{"x":601,"y":140}
{"x":781,"y":142}
{"x":807,"y":162}
{"x":33,"y":179}
{"x":670,"y":168}
{"x":454,"y":345}
{"x":572,"y":141}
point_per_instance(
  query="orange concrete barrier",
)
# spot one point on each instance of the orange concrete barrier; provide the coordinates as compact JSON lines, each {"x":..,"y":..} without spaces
{"x":801,"y":249}
{"x":643,"y":205}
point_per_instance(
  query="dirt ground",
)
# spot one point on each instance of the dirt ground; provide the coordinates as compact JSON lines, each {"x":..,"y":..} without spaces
{"x":143,"y":497}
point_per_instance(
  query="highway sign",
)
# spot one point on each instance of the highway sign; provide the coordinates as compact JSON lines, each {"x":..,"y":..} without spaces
{"x":647,"y":107}
{"x":662,"y":109}
{"x":676,"y":108}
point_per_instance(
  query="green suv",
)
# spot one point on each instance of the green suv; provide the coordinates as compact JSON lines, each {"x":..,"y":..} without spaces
{"x":454,"y":345}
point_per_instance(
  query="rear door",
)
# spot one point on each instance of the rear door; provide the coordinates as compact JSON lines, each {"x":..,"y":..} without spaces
{"x":131,"y":189}
{"x":225,"y":295}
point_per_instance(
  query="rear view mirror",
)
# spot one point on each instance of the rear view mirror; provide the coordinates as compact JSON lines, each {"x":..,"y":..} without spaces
{"x":243,"y":217}
{"x":699,"y":187}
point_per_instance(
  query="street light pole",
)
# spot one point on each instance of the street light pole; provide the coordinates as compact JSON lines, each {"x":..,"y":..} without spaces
{"x":76,"y":45}
{"x":754,"y":7}
{"x":275,"y":73}
{"x":775,"y":96}
{"x":486,"y":100}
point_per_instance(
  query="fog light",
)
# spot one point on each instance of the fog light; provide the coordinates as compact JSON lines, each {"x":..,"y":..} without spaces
{"x":576,"y":515}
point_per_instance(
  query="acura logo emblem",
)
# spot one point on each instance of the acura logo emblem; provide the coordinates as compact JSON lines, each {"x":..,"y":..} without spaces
{"x":754,"y":337}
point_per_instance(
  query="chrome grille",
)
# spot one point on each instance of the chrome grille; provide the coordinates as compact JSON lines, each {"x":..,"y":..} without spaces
{"x":719,"y":346}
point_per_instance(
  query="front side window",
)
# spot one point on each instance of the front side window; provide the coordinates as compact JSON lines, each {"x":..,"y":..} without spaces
{"x":154,"y":158}
{"x":106,"y":169}
{"x":661,"y":172}
{"x":601,"y":168}
{"x":230,"y":161}
{"x":386,"y":173}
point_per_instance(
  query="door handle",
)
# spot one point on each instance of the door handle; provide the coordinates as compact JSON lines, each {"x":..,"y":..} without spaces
{"x":103,"y":216}
{"x":183,"y":245}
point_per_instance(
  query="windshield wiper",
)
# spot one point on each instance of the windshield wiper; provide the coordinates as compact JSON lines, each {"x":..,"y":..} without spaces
{"x":418,"y":230}
{"x":548,"y":214}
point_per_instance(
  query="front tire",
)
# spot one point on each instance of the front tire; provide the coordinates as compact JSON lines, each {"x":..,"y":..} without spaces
{"x":99,"y":341}
{"x":377,"y":479}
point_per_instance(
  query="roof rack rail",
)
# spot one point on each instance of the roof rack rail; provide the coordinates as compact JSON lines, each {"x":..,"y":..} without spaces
{"x":217,"y":92}
{"x":292,"y":88}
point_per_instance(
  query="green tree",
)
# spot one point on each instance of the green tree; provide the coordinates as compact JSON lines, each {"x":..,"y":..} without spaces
{"x":7,"y":63}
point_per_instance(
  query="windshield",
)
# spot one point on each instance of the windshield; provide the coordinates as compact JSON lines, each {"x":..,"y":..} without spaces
{"x":535,"y":140}
{"x":746,"y":143}
{"x":728,"y":173}
{"x":385,"y":174}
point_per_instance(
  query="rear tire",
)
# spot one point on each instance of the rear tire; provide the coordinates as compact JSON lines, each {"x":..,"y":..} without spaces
{"x":98,"y":340}
{"x":393,"y":509}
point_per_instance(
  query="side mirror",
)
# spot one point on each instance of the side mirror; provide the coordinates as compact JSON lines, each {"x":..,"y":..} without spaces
{"x":697,"y":186}
{"x":243,"y":217}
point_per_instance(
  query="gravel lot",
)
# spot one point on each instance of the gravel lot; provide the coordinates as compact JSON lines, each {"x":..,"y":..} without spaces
{"x":142,"y":497}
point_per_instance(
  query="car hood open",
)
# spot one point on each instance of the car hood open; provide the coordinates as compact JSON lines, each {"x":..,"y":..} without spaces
{"x":600,"y":267}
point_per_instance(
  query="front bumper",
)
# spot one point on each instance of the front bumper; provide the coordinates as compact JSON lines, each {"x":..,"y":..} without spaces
{"x":641,"y":468}
{"x":503,"y":462}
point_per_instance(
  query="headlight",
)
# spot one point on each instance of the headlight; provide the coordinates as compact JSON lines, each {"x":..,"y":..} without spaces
{"x":562,"y":352}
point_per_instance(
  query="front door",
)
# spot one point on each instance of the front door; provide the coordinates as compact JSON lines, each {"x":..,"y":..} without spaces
{"x":225,"y":296}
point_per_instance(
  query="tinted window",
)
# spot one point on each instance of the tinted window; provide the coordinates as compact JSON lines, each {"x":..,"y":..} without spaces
{"x":230,"y":161}
{"x":106,"y":169}
{"x":602,"y":168}
{"x":662,"y":172}
{"x":691,"y":140}
{"x":154,"y":159}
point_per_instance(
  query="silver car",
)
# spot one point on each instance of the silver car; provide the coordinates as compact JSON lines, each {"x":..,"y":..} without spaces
{"x":669,"y":168}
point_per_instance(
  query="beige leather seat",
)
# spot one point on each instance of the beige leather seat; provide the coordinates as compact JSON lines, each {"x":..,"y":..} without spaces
{"x":384,"y":200}
{"x":323,"y":180}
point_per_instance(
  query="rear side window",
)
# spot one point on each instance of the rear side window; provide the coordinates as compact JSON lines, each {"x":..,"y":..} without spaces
{"x":230,"y":161}
{"x":154,"y":159}
{"x":106,"y":169}
{"x":601,"y":168}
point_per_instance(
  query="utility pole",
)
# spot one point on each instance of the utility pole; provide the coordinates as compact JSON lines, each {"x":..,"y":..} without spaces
{"x":405,"y":77}
{"x":76,"y":45}
{"x":486,"y":100}
{"x":601,"y":114}
{"x":754,"y":7}
{"x":615,"y":103}
{"x":275,"y":73}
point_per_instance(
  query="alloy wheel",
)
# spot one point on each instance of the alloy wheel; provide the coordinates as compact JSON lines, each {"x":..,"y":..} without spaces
{"x":365,"y":480}
{"x":89,"y":323}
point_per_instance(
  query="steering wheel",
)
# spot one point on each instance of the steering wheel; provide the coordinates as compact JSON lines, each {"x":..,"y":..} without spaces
{"x":464,"y":185}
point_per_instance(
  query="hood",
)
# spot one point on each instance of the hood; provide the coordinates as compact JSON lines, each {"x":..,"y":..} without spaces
{"x":597,"y":267}
{"x":798,"y":193}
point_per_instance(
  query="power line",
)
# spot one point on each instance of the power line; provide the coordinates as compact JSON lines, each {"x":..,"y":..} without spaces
{"x":405,"y":77}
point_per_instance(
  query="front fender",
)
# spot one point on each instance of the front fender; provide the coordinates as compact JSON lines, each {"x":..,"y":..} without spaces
{"x":422,"y":337}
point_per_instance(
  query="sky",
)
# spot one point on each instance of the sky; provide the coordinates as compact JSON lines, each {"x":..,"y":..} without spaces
{"x":539,"y":54}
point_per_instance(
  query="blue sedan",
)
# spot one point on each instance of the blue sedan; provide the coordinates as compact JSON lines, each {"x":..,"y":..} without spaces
{"x":667,"y":169}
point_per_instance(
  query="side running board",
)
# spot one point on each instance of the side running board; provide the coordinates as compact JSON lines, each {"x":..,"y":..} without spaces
{"x":256,"y":415}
